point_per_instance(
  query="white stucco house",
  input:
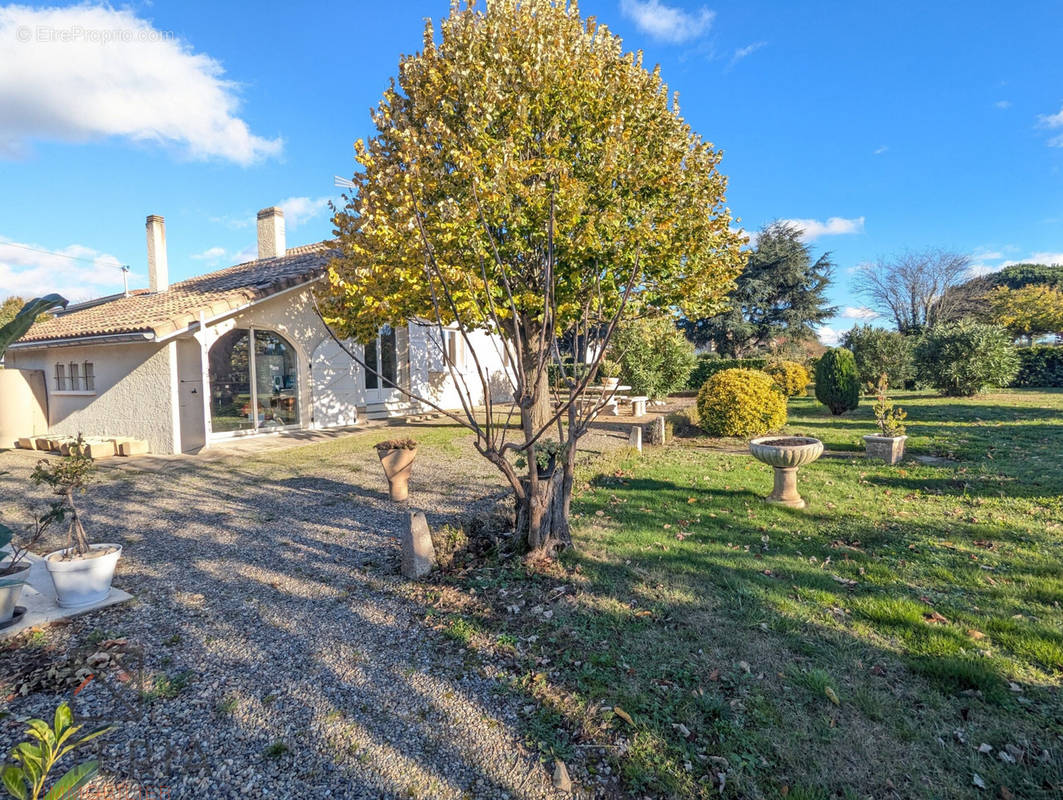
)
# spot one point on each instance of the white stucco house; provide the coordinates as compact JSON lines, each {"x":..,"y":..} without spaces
{"x":237,"y":352}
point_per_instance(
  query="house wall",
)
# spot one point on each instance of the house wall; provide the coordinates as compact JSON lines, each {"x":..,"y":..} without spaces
{"x":430,"y":377}
{"x":190,"y":395}
{"x":133,"y":395}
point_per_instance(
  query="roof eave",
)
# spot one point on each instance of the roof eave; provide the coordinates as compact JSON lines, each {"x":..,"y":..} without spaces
{"x":84,"y":341}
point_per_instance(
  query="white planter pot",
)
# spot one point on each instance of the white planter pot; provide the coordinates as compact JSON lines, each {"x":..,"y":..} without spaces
{"x":82,"y":581}
{"x":10,"y":589}
{"x":610,"y":383}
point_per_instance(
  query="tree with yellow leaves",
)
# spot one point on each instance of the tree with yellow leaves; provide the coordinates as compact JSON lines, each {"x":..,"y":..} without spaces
{"x":1030,"y":311}
{"x":530,"y":179}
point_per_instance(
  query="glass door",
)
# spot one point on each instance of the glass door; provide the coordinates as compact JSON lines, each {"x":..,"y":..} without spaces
{"x":382,"y":367}
{"x":254,"y":382}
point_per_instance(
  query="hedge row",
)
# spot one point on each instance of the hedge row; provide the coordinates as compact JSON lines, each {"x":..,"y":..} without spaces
{"x":1040,"y":366}
{"x":708,"y":366}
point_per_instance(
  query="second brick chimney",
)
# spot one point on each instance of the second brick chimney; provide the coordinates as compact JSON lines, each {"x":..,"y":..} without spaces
{"x":158,"y":270}
{"x":271,"y":233}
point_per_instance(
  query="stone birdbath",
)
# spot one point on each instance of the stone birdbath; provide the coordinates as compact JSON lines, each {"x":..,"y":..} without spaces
{"x":785,"y":454}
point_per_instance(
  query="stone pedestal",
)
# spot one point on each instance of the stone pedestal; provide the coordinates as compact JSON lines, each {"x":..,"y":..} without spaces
{"x":635,"y":437}
{"x":418,"y":554}
{"x":785,"y":491}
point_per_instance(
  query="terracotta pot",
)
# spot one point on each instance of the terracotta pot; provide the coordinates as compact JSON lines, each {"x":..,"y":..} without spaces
{"x":886,"y":448}
{"x":398,"y":464}
{"x":82,"y":581}
{"x":785,"y":454}
{"x":10,"y":589}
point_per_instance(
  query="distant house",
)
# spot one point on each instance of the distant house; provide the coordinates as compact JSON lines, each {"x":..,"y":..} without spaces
{"x":236,"y":352}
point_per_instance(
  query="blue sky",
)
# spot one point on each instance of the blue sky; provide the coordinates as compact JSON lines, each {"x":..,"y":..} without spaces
{"x":880,"y":126}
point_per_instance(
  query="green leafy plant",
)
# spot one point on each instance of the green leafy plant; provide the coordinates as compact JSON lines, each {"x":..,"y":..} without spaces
{"x":890,"y":418}
{"x":1040,"y":365}
{"x":655,"y":358}
{"x":966,"y":358}
{"x":24,"y":319}
{"x":66,"y":477}
{"x":396,"y":444}
{"x":33,"y":760}
{"x":608,"y":369}
{"x":877,"y":351}
{"x":709,"y":365}
{"x":547,"y":451}
{"x":837,"y":382}
{"x":741,"y":402}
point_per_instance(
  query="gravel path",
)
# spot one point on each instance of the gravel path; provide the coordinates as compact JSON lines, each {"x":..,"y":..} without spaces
{"x":280,"y":659}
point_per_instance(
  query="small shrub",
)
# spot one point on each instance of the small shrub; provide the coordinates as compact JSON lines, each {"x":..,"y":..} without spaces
{"x":890,"y":419}
{"x":1040,"y":366}
{"x":655,"y":357}
{"x":740,"y":402}
{"x":607,"y":368}
{"x":791,"y":378}
{"x":837,"y":381}
{"x":449,"y":543}
{"x":879,"y":351}
{"x":709,"y":365}
{"x":965,"y":358}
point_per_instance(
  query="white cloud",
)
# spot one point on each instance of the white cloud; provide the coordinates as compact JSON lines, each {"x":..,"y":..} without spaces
{"x":1052,"y":122}
{"x":858,"y":312}
{"x":1002,"y":104}
{"x":828,"y":336}
{"x":88,"y":72}
{"x":210,"y":255}
{"x":748,"y":50}
{"x":667,"y":23}
{"x":77,"y":272}
{"x":1038,"y":258}
{"x":298,"y":210}
{"x":835,"y":226}
{"x":880,"y":149}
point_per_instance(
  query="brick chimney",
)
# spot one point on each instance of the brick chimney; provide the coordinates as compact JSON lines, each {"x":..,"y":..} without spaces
{"x":158,"y":270}
{"x":271,"y":233}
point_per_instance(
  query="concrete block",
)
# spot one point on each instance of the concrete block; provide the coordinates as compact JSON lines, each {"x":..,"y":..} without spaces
{"x":635,"y":437}
{"x":94,"y":449}
{"x":418,"y":554}
{"x":27,"y":443}
{"x":42,"y":443}
{"x":134,"y":447}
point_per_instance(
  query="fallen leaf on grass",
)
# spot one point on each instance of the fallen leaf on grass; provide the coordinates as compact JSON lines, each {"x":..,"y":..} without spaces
{"x":976,"y":779}
{"x":623,"y":715}
{"x":935,"y":617}
{"x":985,"y":748}
{"x":976,"y":635}
{"x":832,"y":696}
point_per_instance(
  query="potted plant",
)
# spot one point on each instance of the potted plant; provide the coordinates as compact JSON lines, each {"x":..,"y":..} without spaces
{"x":609,"y":373}
{"x":889,"y":445}
{"x":81,"y":572}
{"x":546,"y":454}
{"x":14,"y":573}
{"x":396,"y":456}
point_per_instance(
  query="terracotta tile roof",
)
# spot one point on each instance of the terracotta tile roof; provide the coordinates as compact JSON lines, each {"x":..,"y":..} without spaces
{"x":163,"y":313}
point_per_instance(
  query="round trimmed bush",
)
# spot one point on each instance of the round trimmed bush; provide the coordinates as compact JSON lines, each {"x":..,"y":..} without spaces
{"x":791,"y":378}
{"x":740,"y":402}
{"x":837,"y":380}
{"x":966,"y":358}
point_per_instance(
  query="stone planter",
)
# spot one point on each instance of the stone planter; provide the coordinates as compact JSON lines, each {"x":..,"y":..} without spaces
{"x":10,"y":588}
{"x":785,"y":454}
{"x":398,"y":464}
{"x":610,"y":383}
{"x":885,"y":448}
{"x":82,"y":581}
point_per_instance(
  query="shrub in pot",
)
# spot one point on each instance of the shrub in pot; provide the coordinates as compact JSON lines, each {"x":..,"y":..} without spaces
{"x":740,"y":402}
{"x":14,"y":572}
{"x":81,"y":572}
{"x":547,"y":451}
{"x":396,"y":457}
{"x":889,"y":444}
{"x":791,"y":378}
{"x":837,"y":381}
{"x":609,"y":373}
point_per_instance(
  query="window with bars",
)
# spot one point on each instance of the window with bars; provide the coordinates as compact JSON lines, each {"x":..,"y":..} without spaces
{"x":60,"y":378}
{"x":75,"y":376}
{"x":88,"y":376}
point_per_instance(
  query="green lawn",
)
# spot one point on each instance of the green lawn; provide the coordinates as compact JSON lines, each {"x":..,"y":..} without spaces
{"x":866,"y":646}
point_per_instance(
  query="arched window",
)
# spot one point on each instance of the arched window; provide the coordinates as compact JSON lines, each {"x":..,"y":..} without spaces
{"x":253,"y":393}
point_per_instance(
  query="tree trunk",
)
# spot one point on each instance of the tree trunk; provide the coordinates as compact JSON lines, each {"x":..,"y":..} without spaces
{"x":542,"y":407}
{"x":542,"y":518}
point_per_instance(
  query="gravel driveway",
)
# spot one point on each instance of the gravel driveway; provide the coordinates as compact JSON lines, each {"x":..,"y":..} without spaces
{"x":280,"y":659}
